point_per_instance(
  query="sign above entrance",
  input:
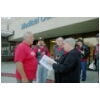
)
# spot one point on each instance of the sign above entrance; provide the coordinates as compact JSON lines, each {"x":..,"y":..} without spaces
{"x":35,"y":22}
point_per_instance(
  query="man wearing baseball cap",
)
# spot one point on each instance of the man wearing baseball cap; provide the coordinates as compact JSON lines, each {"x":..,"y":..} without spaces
{"x":40,"y":51}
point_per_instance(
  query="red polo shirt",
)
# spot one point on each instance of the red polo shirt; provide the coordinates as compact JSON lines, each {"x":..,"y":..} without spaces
{"x":24,"y":54}
{"x":60,"y":48}
{"x":96,"y":49}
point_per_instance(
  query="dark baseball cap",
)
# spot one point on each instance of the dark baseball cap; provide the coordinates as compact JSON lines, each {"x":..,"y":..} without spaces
{"x":79,"y":40}
{"x":97,"y":35}
{"x":40,"y":38}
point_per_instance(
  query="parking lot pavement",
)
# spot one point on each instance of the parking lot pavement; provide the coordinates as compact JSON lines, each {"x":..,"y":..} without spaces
{"x":8,"y":74}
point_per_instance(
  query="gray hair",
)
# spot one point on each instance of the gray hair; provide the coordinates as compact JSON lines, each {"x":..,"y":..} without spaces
{"x":59,"y":38}
{"x":26,"y":34}
{"x":70,"y":41}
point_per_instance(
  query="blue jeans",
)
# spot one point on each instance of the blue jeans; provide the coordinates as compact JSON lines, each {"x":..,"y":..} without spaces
{"x":97,"y":64}
{"x":83,"y":68}
{"x":41,"y":74}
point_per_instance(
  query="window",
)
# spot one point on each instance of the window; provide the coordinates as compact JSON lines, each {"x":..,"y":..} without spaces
{"x":7,"y":49}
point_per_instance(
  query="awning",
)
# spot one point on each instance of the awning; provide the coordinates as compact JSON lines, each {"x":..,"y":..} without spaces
{"x":6,"y":33}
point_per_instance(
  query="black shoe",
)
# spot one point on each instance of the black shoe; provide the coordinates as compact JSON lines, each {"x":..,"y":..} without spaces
{"x":83,"y":79}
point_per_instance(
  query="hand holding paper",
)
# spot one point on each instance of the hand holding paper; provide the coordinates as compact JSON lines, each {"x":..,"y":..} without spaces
{"x":50,"y":62}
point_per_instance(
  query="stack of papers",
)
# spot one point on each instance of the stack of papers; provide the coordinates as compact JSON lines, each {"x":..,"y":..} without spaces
{"x":44,"y":62}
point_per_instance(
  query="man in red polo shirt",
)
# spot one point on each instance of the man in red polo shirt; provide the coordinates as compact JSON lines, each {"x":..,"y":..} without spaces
{"x":25,"y":59}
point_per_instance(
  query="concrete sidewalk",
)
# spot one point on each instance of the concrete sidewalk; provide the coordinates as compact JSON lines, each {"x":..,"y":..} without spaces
{"x":9,"y":67}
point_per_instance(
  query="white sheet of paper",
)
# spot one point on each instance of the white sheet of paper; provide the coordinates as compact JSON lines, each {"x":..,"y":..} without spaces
{"x":44,"y":62}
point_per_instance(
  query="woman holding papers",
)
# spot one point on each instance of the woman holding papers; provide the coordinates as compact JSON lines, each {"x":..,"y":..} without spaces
{"x":69,"y":64}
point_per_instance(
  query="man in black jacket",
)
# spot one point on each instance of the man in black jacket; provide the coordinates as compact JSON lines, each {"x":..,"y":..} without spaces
{"x":84,"y":52}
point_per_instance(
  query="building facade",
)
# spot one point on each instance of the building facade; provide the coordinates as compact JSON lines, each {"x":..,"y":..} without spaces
{"x":49,"y":28}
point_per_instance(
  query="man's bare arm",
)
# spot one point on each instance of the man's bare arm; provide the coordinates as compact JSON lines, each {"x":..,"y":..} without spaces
{"x":21,"y":72}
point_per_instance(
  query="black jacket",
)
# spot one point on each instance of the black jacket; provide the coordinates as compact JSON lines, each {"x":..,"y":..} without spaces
{"x":86,"y":50}
{"x":69,"y":67}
